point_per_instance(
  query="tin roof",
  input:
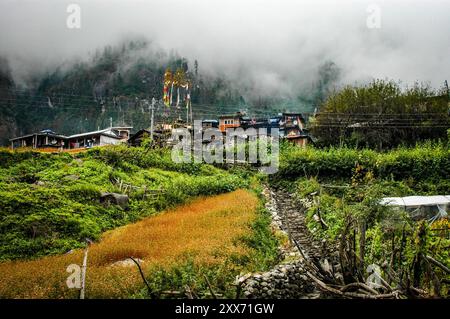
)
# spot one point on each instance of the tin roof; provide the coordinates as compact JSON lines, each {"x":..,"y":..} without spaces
{"x":107,"y":132}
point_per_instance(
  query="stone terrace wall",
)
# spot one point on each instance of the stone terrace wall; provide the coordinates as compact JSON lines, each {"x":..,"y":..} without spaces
{"x":287,"y":279}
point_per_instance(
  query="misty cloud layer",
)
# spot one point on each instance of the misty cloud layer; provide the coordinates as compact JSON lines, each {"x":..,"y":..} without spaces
{"x":276,"y":46}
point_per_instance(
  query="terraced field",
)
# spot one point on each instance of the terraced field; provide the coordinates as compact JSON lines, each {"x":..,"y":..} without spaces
{"x":207,"y":235}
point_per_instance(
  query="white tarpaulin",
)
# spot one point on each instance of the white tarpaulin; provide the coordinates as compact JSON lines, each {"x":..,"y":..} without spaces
{"x":414,"y":201}
{"x":419,"y":207}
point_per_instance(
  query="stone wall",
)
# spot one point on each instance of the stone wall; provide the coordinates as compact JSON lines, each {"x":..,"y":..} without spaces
{"x":283,"y":281}
{"x":287,"y":279}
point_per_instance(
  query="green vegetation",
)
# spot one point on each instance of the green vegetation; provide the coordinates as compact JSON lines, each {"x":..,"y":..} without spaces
{"x":117,"y":82}
{"x":208,"y":241}
{"x":341,"y":189}
{"x":382,"y":114}
{"x":49,"y":203}
{"x":427,"y":163}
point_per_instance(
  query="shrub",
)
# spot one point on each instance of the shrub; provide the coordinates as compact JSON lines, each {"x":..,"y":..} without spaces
{"x":51,"y":201}
{"x":425,"y":161}
{"x":83,"y":192}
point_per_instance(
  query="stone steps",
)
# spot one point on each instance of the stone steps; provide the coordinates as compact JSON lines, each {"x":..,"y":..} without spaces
{"x":287,"y":280}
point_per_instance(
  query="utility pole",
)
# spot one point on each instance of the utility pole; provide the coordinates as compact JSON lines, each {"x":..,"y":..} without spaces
{"x":152,"y":108}
{"x":446,"y":85}
{"x":192,"y":120}
{"x":187,"y":114}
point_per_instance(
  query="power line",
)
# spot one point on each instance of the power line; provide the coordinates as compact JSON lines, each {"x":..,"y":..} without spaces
{"x":206,"y":108}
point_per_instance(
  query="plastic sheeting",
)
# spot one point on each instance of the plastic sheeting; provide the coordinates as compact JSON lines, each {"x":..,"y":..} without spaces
{"x":421,"y":207}
{"x":414,"y":201}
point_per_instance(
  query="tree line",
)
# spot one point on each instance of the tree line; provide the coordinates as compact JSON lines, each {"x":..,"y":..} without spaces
{"x":382,"y":114}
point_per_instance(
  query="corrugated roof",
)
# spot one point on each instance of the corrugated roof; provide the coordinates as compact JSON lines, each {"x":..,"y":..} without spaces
{"x":106,"y":132}
{"x":38,"y":134}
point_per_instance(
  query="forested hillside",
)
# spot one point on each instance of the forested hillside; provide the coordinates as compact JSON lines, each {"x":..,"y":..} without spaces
{"x":120,"y":81}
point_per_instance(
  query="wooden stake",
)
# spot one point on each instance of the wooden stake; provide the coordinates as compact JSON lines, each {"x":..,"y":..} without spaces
{"x":143,"y":277}
{"x":210,"y":287}
{"x":83,"y":272}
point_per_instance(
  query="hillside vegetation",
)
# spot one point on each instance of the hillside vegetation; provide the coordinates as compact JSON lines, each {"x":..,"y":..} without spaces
{"x":50,"y":203}
{"x":382,"y":114}
{"x":119,"y":81}
{"x":340,"y":191}
{"x":217,"y":237}
{"x":428,"y":163}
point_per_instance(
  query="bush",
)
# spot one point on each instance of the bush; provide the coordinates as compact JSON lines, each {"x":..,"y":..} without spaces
{"x":83,"y":192}
{"x":49,"y":202}
{"x":426,"y":161}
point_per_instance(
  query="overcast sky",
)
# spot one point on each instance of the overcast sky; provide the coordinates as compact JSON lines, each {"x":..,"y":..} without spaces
{"x":267,"y":42}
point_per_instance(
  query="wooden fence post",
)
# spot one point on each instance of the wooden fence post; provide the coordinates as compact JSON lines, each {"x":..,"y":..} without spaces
{"x":83,"y":272}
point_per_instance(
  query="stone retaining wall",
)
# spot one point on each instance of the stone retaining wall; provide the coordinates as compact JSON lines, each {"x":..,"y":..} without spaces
{"x":281,"y":282}
{"x":287,"y":279}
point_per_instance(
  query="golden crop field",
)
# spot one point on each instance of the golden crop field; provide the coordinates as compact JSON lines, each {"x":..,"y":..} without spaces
{"x":205,"y":231}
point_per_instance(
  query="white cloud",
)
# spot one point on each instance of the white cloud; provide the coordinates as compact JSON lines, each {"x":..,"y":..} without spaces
{"x":261,"y":41}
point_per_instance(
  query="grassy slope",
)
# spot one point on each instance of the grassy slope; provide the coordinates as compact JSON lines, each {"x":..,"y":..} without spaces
{"x":216,"y":236}
{"x":49,"y":203}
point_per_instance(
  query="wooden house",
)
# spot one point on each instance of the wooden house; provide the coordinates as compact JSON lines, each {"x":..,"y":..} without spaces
{"x":43,"y":139}
{"x":110,"y":136}
{"x":230,"y":121}
{"x":206,"y":124}
{"x":159,"y":136}
{"x":49,"y":139}
{"x":293,"y":128}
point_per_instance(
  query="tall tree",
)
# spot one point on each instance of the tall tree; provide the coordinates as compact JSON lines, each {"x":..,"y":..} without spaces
{"x":381,"y":114}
